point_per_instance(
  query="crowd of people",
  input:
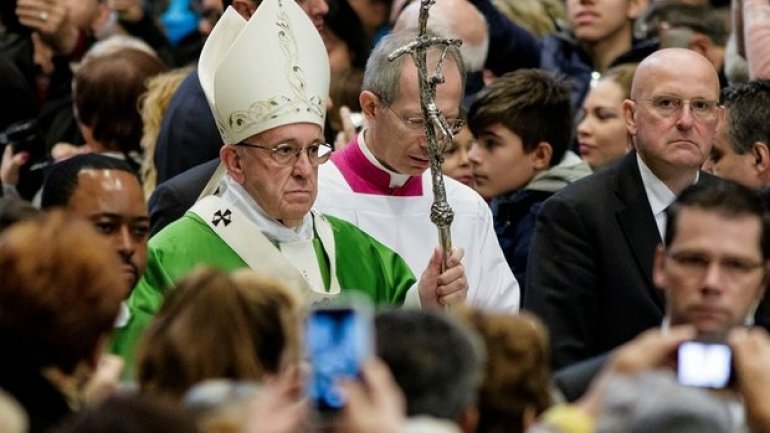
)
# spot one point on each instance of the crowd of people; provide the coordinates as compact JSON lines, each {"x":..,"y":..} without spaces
{"x":186,"y":183}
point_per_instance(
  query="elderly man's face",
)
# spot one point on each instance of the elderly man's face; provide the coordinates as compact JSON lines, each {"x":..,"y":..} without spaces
{"x":113,"y":201}
{"x":674,"y":112}
{"x":285,"y":192}
{"x":713,"y":272}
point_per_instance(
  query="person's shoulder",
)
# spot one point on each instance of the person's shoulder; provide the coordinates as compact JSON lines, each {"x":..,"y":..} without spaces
{"x":190,"y":85}
{"x":340,"y":225}
{"x":458,"y":191}
{"x":594,"y":186}
{"x":346,"y":228}
{"x":181,"y":232}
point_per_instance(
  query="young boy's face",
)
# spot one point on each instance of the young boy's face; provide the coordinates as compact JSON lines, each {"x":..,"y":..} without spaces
{"x":500,"y":164}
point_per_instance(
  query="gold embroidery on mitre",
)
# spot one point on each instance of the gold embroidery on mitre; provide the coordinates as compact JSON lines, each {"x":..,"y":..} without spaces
{"x":281,"y":105}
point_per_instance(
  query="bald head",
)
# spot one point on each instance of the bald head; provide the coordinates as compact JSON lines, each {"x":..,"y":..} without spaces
{"x":673,"y":114}
{"x":672,"y":62}
{"x":455,"y":19}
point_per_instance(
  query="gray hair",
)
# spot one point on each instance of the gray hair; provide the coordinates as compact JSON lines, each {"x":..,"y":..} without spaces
{"x":383,"y":77}
{"x":437,"y":361}
{"x":654,"y":402}
{"x":452,"y":19}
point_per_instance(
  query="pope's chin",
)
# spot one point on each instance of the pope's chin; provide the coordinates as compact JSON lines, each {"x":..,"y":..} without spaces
{"x":298,"y":205}
{"x":299,"y":199}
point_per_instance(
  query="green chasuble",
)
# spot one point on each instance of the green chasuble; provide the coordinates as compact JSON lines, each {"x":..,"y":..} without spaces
{"x":363,"y":264}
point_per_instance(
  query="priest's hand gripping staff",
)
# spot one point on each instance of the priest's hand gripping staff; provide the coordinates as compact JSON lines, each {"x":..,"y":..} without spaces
{"x":437,"y":130}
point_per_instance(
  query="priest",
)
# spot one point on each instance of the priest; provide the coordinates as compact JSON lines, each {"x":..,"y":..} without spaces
{"x":267,"y":81}
{"x":380,"y":180}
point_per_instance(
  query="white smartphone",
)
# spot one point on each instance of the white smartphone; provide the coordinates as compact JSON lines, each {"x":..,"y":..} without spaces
{"x":704,"y":364}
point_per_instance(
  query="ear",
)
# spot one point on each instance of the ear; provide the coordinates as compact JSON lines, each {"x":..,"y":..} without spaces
{"x":761,"y":158}
{"x":368,"y":102}
{"x":636,"y":8}
{"x":659,"y":268}
{"x":488,"y":77}
{"x":765,"y":282}
{"x":541,"y":156}
{"x":700,"y":44}
{"x":721,"y":118}
{"x":231,"y":159}
{"x":629,"y":115}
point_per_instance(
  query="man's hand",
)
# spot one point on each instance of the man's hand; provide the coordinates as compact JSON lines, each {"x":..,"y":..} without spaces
{"x":439,"y":289}
{"x":751,"y":358}
{"x":279,"y":408}
{"x":651,"y":350}
{"x":105,"y":380}
{"x":50,"y":19}
{"x":348,"y":132}
{"x":10,"y":166}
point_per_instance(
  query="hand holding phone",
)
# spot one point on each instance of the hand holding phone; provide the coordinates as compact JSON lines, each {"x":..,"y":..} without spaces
{"x":339,"y":340}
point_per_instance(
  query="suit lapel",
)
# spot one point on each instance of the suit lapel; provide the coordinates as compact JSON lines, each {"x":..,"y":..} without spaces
{"x":637,"y":222}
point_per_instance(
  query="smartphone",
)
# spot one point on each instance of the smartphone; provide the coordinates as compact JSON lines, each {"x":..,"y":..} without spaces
{"x":338,"y":339}
{"x":704,"y":364}
{"x":25,"y":136}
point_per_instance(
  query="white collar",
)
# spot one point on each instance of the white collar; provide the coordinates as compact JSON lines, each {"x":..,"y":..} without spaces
{"x":397,"y":180}
{"x":658,"y":193}
{"x":232,"y":192}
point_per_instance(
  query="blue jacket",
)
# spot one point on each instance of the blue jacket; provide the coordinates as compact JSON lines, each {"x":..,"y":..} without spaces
{"x":562,"y":54}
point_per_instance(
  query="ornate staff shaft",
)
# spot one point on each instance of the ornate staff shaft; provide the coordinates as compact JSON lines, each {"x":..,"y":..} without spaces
{"x":437,"y":130}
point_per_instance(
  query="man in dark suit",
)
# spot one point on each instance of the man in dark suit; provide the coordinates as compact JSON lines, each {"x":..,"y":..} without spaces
{"x":172,"y":198}
{"x":712,"y":269}
{"x":590,"y":269}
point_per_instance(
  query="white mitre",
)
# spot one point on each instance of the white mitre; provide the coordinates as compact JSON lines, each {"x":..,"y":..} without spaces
{"x":270,"y":71}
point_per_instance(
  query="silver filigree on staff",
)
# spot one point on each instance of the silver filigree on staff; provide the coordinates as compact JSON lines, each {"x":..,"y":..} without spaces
{"x":436,"y":126}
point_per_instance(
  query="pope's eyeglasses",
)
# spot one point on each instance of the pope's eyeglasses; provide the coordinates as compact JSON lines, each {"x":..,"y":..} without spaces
{"x":288,"y":154}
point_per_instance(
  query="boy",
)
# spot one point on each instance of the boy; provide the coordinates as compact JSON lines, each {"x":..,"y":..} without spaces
{"x":523,"y":126}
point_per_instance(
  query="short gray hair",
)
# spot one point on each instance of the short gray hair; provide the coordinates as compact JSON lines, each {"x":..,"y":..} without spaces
{"x":653,"y":401}
{"x":437,"y":361}
{"x":383,"y":77}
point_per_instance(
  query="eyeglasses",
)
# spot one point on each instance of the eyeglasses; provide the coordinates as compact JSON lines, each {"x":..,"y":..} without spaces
{"x":288,"y":154}
{"x":671,"y":106}
{"x":418,"y":124}
{"x":697,"y":264}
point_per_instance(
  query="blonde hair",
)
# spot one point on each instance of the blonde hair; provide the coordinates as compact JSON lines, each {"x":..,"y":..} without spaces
{"x":153,"y":104}
{"x":538,"y":17}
